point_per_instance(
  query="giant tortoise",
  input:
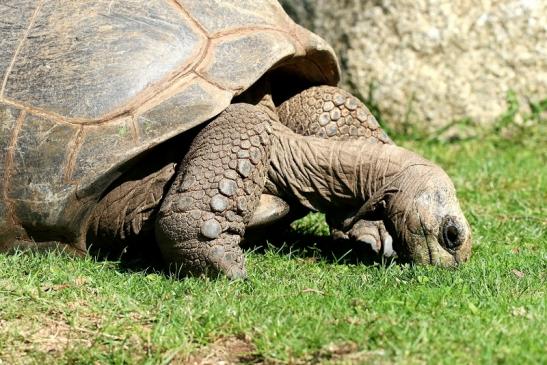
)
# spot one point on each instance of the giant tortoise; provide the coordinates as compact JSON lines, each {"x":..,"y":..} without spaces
{"x":171,"y":121}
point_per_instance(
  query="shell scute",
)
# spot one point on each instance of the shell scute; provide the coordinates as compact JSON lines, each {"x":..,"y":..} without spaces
{"x":237,"y":61}
{"x":37,"y":187}
{"x":99,"y":152}
{"x":16,"y":17}
{"x":85,"y":60}
{"x":194,"y":103}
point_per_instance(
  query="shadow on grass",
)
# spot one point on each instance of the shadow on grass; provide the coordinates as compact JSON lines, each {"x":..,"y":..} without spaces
{"x":305,"y":238}
{"x":287,"y":242}
{"x":300,"y":244}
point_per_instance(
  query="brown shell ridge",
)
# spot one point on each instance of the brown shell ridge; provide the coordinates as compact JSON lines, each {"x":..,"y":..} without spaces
{"x":19,"y":47}
{"x":8,"y":165}
{"x":245,"y":30}
{"x":189,"y":16}
{"x":73,"y":148}
{"x":199,"y":75}
{"x":37,"y":111}
{"x":135,"y":132}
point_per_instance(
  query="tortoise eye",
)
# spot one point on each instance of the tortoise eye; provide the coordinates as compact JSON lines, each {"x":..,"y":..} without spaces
{"x":451,"y":233}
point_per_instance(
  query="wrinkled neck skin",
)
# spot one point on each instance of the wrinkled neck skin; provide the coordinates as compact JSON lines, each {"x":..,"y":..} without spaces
{"x":323,"y":174}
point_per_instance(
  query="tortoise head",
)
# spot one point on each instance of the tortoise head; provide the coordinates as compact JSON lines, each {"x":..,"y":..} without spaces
{"x":426,"y":221}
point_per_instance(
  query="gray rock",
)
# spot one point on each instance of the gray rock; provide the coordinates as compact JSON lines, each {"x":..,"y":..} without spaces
{"x":431,"y":62}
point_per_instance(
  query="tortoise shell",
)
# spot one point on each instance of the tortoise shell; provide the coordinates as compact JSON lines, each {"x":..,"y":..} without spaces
{"x":87,"y":86}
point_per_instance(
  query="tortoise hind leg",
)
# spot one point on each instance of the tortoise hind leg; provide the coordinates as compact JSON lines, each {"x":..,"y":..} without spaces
{"x":204,"y":214}
{"x":123,"y":220}
{"x":332,"y":113}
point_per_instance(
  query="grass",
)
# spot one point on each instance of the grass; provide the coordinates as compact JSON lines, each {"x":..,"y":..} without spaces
{"x":299,"y":306}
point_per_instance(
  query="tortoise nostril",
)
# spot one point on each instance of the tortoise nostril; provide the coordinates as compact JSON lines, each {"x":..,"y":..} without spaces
{"x":451,"y":235}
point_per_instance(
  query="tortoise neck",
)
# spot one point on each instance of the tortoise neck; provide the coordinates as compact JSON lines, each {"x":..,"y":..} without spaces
{"x":322,"y":174}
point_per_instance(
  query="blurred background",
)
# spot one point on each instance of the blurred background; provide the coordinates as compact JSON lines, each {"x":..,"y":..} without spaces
{"x":445,"y":66}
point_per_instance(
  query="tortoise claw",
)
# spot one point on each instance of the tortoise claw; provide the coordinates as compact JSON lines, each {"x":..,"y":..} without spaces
{"x":371,"y":233}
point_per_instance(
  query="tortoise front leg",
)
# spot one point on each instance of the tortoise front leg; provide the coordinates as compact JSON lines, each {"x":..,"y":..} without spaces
{"x":332,"y":113}
{"x":203,"y":217}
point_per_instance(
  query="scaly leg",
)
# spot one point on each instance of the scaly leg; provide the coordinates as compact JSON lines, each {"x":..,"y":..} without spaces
{"x":330,"y":112}
{"x":213,"y":197}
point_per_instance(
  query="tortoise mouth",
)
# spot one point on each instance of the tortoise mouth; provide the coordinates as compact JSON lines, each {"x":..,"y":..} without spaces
{"x":420,"y":248}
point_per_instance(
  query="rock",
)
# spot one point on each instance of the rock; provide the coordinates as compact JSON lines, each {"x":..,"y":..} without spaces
{"x":428,"y":63}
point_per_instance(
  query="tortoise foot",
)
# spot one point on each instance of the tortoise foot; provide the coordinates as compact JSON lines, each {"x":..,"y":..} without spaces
{"x":371,"y":233}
